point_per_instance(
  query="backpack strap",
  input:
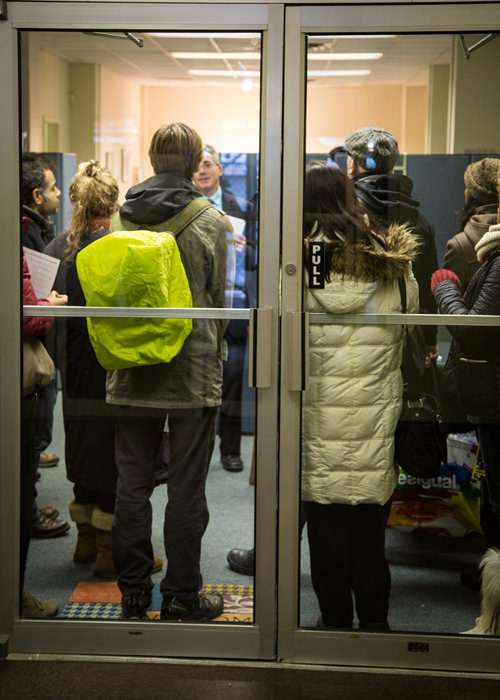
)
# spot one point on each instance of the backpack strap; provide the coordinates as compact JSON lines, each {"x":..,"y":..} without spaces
{"x":176,"y":224}
{"x":186,"y":216}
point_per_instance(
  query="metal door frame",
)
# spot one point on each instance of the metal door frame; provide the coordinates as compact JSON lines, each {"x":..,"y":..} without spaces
{"x":314,"y":646}
{"x":257,"y":641}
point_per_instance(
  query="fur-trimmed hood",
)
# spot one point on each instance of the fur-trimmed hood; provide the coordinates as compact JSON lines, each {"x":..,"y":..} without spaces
{"x":357,"y":271}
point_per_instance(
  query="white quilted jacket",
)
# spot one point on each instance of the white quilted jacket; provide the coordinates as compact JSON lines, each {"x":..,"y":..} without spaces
{"x":353,"y":400}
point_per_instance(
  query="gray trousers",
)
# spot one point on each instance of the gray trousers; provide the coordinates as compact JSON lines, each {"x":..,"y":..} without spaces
{"x":138,"y":440}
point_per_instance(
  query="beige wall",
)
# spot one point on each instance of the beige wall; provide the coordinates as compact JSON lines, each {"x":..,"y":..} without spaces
{"x":333,"y":113}
{"x":118,"y":128}
{"x":414,"y":119}
{"x":49,"y":94}
{"x":475,"y":100}
{"x":84,"y":102}
{"x":437,"y":123}
{"x":225,"y":117}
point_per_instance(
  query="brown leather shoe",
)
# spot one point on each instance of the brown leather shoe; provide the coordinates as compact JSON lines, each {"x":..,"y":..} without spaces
{"x":36,"y":609}
{"x":45,"y":528}
{"x":48,"y":459}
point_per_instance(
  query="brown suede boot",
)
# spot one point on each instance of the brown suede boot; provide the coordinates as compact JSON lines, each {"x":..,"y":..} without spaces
{"x":105,"y":567}
{"x":86,"y":546}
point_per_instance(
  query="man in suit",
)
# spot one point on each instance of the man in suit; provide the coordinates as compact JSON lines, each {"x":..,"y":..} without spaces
{"x":208,"y":180}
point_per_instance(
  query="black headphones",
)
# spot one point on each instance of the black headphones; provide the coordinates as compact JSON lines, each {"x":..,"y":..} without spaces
{"x":369,"y":162}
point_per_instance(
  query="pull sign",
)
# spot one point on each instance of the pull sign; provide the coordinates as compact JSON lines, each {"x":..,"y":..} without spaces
{"x":317,"y":265}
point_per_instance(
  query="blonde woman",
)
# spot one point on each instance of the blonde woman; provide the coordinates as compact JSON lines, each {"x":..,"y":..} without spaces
{"x":89,"y":422}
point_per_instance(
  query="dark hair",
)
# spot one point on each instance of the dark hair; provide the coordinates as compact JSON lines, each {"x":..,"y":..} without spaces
{"x":32,"y":176}
{"x":176,"y":148}
{"x":331,"y":206}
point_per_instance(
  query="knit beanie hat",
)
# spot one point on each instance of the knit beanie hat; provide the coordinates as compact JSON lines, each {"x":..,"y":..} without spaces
{"x":373,"y":149}
{"x":481,"y":180}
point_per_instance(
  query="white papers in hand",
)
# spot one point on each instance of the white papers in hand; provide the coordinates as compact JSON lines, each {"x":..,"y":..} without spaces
{"x":238,"y":225}
{"x":43,"y":270}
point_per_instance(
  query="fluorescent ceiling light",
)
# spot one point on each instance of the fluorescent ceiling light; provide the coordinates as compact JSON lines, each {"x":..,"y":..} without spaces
{"x":218,"y":56}
{"x":228,"y":73}
{"x":255,"y":73}
{"x":352,"y":36}
{"x":204,"y":35}
{"x":344,"y":56}
{"x":337,"y":73}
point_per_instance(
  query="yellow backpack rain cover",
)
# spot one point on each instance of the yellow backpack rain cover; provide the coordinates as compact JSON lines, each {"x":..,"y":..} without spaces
{"x":135,"y":269}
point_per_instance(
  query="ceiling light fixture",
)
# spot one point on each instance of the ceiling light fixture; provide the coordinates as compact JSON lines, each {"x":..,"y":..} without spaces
{"x":343,"y":56}
{"x":247,"y":85}
{"x":255,"y":73}
{"x":337,"y":73}
{"x":226,"y":73}
{"x":217,"y":56}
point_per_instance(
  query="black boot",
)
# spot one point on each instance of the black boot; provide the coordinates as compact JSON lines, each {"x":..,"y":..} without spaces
{"x":242,"y":561}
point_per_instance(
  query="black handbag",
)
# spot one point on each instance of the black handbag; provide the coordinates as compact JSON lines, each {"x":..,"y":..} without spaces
{"x":419,"y":443}
{"x":477,"y":386}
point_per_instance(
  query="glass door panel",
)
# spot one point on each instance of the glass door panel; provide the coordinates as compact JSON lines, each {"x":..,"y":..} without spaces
{"x":386,"y":561}
{"x":154,"y":110}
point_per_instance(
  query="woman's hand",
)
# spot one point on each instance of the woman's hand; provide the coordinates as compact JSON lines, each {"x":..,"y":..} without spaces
{"x":443,"y":275}
{"x":56,"y":299}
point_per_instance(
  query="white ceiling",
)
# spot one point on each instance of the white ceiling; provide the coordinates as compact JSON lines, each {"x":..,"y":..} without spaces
{"x":405,"y":60}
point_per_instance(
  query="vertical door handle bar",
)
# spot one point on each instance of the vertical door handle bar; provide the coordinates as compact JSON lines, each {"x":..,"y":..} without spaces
{"x":260,"y":345}
{"x":297,"y":357}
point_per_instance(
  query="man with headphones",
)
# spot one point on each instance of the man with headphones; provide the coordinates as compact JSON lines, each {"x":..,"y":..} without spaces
{"x":386,"y":196}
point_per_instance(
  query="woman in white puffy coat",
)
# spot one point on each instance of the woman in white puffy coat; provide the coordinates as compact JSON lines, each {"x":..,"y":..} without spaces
{"x":353,"y":401}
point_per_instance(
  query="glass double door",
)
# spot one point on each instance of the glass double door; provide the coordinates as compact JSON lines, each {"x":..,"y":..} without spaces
{"x":255,"y":336}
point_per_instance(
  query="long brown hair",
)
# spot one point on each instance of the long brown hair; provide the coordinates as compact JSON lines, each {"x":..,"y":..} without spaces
{"x":94,"y":195}
{"x":331,"y":207}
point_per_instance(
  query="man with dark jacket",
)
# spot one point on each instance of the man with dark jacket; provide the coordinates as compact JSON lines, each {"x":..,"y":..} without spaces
{"x":387,"y":197}
{"x":184,"y":394}
{"x":40,"y":199}
{"x":207,"y":178}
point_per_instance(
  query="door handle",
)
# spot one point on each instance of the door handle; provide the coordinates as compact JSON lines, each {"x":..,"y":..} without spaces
{"x":260,"y":345}
{"x":297,"y":359}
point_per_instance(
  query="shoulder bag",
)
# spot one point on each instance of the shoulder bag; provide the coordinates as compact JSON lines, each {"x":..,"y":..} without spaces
{"x":420,"y":445}
{"x":38,"y":367}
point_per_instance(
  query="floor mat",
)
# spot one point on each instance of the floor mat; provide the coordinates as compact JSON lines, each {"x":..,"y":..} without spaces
{"x":98,"y":600}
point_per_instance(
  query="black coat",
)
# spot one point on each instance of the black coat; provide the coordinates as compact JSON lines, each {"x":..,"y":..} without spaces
{"x":37,"y":231}
{"x":236,"y":331}
{"x":482,"y":296}
{"x":89,"y":422}
{"x":388,"y":199}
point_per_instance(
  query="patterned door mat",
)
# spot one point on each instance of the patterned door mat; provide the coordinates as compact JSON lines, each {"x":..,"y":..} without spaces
{"x":98,"y":600}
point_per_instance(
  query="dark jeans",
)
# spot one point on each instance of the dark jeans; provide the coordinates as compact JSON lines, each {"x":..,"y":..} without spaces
{"x":229,"y":427}
{"x":347,"y":545}
{"x":29,"y":461}
{"x":47,"y":399}
{"x":139,"y":437}
{"x":489,"y":441}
